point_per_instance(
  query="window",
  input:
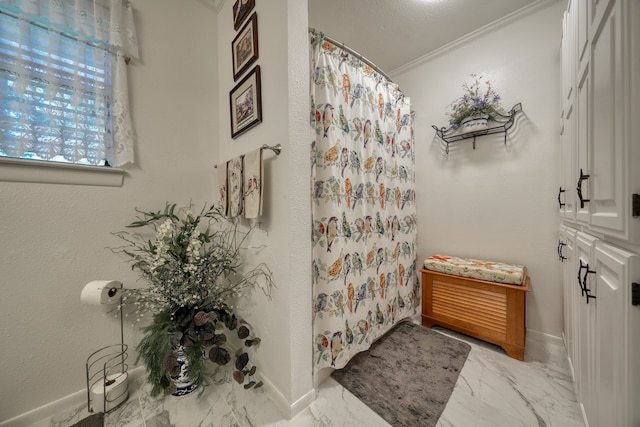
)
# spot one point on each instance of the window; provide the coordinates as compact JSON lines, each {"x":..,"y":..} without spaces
{"x":63,"y":86}
{"x":54,"y":103}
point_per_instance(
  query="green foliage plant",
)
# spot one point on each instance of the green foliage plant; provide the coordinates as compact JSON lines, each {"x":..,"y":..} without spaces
{"x":193,"y":264}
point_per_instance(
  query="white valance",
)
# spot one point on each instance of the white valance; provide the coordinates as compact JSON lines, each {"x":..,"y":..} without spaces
{"x":48,"y":51}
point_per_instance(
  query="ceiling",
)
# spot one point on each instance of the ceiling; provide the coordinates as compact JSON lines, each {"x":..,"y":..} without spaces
{"x":392,"y":33}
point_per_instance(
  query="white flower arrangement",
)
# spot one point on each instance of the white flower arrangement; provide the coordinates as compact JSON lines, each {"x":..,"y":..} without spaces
{"x":193,"y":265}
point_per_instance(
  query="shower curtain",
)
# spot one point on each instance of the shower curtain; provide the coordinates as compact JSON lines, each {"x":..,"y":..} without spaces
{"x":364,"y":214}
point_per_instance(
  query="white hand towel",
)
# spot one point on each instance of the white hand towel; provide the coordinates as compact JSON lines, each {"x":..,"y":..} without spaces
{"x":253,"y":179}
{"x":222,"y":187}
{"x":234,"y":167}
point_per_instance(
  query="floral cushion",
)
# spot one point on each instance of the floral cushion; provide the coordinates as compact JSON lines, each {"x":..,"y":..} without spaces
{"x":477,"y":269}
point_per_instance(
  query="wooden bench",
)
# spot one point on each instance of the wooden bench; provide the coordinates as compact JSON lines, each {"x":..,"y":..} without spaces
{"x":490,"y":311}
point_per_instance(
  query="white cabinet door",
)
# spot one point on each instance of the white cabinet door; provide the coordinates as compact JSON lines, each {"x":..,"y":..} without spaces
{"x":582,"y":27}
{"x":598,"y":11}
{"x":633,"y":345}
{"x":568,"y":56}
{"x":584,"y":285}
{"x":570,"y":295}
{"x":567,"y":195}
{"x":607,"y":155}
{"x":581,"y":186}
{"x":617,"y":394}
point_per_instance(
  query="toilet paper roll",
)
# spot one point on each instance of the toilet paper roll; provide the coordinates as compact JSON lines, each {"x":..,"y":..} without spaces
{"x":116,"y":392}
{"x":101,"y":292}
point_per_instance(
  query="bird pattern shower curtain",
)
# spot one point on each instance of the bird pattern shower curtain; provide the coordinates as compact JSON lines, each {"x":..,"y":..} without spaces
{"x":364,"y":214}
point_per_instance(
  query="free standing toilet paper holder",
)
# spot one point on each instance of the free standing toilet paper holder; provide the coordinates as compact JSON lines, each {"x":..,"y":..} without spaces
{"x":107,"y":370}
{"x":107,"y":378}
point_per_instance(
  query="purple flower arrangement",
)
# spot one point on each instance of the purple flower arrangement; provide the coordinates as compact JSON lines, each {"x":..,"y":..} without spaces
{"x":476,"y":101}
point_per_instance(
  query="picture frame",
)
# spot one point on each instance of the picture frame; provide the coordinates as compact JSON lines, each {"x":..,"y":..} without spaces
{"x":244,"y":47}
{"x":245,"y":103}
{"x":241,"y":9}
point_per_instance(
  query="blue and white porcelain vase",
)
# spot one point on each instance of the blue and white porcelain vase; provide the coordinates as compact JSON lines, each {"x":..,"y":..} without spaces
{"x":474,"y":123}
{"x":184,"y":384}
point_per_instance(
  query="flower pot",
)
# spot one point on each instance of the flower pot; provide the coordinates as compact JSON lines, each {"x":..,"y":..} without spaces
{"x":474,"y":123}
{"x":184,"y":384}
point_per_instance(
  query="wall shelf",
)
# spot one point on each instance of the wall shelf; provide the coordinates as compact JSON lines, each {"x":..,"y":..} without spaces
{"x":499,"y":124}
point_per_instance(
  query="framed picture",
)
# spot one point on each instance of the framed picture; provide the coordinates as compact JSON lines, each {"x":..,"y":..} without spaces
{"x":244,"y":47}
{"x":241,"y":9}
{"x":245,"y":102}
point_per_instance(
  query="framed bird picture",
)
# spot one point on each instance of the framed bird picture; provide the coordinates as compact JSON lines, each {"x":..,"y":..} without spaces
{"x":244,"y":47}
{"x":245,"y":103}
{"x":241,"y":9}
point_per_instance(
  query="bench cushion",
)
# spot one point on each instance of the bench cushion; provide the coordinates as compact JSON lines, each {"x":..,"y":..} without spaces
{"x":477,"y":269}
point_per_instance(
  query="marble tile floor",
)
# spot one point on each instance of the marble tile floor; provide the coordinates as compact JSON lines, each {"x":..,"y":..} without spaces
{"x":492,"y":390}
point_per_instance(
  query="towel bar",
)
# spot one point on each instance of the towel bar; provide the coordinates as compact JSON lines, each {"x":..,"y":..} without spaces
{"x":275,"y":148}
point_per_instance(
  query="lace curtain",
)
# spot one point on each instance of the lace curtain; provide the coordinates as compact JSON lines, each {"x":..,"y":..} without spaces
{"x":63,"y":70}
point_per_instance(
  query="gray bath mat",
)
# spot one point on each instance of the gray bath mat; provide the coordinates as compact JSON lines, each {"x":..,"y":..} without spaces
{"x":95,"y":420}
{"x":407,"y":376}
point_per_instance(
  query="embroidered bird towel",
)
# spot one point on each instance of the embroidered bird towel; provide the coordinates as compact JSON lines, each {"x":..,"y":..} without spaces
{"x":222,"y":187}
{"x":234,"y":180}
{"x":253,"y":178}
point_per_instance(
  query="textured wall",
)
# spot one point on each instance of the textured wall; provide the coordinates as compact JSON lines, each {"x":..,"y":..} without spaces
{"x":54,"y":237}
{"x":496,"y":202}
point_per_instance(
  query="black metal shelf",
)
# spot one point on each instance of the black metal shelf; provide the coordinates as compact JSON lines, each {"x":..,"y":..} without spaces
{"x":499,"y":124}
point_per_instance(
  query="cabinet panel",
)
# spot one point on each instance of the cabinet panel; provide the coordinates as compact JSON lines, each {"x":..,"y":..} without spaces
{"x":582,"y":140}
{"x":582,"y":16}
{"x":567,"y":169}
{"x":566,"y":195}
{"x":614,"y":268}
{"x":568,"y":49}
{"x":608,"y":335}
{"x":607,"y":139}
{"x":598,"y":10}
{"x":585,"y":338}
{"x":570,"y":293}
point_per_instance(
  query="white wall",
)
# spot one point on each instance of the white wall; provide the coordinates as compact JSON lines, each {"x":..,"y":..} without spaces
{"x":54,"y":237}
{"x":495,"y":202}
{"x":284,"y":324}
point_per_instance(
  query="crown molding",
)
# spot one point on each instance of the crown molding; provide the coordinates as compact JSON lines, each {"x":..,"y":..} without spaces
{"x":216,"y":5}
{"x":498,"y":23}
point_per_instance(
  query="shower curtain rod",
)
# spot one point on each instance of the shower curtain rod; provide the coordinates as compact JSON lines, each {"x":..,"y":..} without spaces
{"x":352,"y":52}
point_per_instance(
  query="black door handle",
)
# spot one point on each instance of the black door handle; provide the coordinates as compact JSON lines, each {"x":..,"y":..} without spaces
{"x":579,"y":189}
{"x":560,"y":245}
{"x":586,"y":291}
{"x":580,"y":278}
{"x":560,"y":191}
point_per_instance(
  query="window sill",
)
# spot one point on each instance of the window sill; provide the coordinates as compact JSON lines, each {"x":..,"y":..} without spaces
{"x":19,"y":170}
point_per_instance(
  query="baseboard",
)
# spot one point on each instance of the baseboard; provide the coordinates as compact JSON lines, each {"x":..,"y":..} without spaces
{"x":544,"y":337}
{"x":289,"y":410}
{"x":58,"y":406}
{"x":322,"y":375}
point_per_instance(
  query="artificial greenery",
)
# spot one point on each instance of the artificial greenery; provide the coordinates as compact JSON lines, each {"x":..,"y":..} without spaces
{"x":193,"y":263}
{"x":476,"y":101}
